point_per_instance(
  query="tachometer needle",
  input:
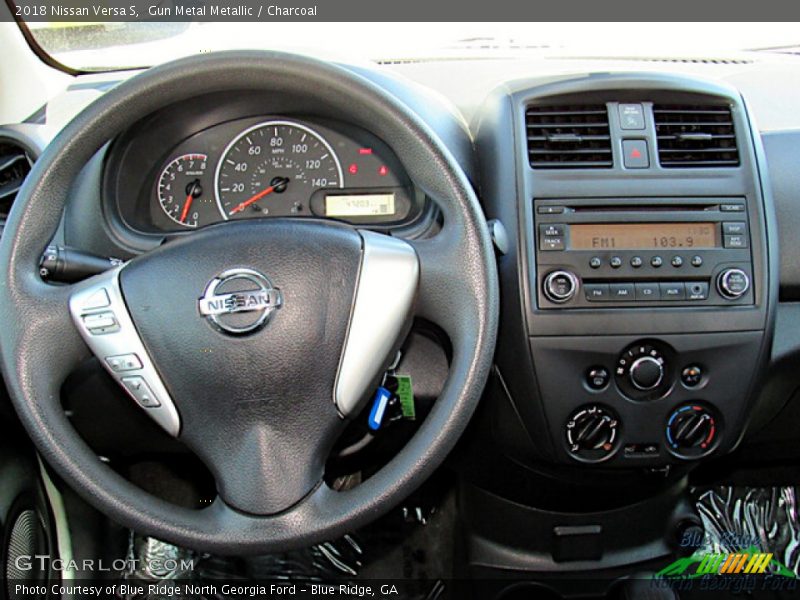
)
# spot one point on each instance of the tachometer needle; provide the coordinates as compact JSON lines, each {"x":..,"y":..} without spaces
{"x":277,"y":184}
{"x":193,"y":191}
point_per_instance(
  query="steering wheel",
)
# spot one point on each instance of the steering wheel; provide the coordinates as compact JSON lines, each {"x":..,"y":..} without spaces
{"x":255,"y":341}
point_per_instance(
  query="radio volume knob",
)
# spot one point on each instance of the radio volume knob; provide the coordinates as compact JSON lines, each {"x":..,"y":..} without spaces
{"x":560,"y":286}
{"x":733,"y":283}
{"x":646,"y":373}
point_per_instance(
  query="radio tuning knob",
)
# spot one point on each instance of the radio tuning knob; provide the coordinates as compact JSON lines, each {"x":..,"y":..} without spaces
{"x":733,"y":283}
{"x":560,"y":286}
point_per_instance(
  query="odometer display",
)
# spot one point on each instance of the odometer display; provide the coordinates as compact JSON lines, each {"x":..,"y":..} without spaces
{"x":272,"y":169}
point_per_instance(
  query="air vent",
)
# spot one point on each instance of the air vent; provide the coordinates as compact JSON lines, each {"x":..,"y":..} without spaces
{"x":568,"y":137}
{"x":15,"y":164}
{"x":695,"y":136}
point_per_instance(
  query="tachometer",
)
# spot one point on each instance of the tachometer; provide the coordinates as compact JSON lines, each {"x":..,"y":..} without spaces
{"x":182,"y":193}
{"x":273,"y":168}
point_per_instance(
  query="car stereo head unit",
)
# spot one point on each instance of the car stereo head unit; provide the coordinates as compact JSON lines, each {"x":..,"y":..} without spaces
{"x":642,"y":252}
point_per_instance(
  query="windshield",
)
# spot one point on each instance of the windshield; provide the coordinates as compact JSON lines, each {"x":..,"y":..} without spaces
{"x":105,"y":46}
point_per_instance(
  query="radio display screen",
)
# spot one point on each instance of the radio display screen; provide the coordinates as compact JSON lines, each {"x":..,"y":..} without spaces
{"x":643,"y":236}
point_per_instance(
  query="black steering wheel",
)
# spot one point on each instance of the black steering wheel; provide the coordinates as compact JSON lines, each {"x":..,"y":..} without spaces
{"x":252,"y":341}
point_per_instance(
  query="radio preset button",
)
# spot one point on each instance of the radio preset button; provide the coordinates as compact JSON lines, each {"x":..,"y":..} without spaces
{"x":696,"y":290}
{"x":735,"y":241}
{"x":596,"y":262}
{"x":636,"y":262}
{"x":615,"y":262}
{"x":672,"y":291}
{"x":656,"y":261}
{"x":560,"y":286}
{"x":697,"y":261}
{"x":597,"y":292}
{"x":648,"y":292}
{"x":622,"y":292}
{"x":677,"y":261}
{"x":733,"y":283}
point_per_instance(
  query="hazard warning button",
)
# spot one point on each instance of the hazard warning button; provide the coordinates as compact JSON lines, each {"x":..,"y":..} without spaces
{"x":635,"y":154}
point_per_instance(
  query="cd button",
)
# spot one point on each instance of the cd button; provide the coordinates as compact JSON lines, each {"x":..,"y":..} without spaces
{"x":647,"y":292}
{"x":672,"y":291}
{"x":597,"y":292}
{"x":622,"y":292}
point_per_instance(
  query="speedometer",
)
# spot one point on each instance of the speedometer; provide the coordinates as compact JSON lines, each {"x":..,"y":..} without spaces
{"x":273,"y":169}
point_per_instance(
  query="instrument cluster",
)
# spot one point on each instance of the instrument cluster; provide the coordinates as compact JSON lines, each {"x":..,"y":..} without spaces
{"x":261,"y":167}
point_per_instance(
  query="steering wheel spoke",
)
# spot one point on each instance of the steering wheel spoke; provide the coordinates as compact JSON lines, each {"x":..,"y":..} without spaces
{"x":99,"y":312}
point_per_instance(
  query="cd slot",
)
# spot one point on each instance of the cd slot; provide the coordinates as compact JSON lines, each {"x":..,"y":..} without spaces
{"x":640,"y":208}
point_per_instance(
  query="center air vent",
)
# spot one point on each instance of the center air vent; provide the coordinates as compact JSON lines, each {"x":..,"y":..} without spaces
{"x":695,"y":136}
{"x":15,"y":164}
{"x":568,"y":137}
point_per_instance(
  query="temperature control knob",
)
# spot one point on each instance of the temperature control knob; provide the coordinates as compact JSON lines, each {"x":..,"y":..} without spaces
{"x":733,"y":283}
{"x":591,"y":433}
{"x":560,"y":286}
{"x":691,"y":431}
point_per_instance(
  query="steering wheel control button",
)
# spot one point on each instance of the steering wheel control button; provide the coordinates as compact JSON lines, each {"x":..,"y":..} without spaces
{"x":97,"y":300}
{"x":733,"y":284}
{"x":648,"y":292}
{"x":697,"y":261}
{"x":597,"y":378}
{"x":124,"y":362}
{"x":597,"y":292}
{"x":677,"y":261}
{"x":140,"y":391}
{"x":560,"y":286}
{"x":691,"y":431}
{"x":656,"y":262}
{"x":631,"y":116}
{"x":636,"y":262}
{"x":646,"y":373}
{"x":635,"y":155}
{"x":642,"y":371}
{"x":592,"y":433}
{"x":113,"y":338}
{"x":696,"y":290}
{"x":101,"y":323}
{"x":691,"y":376}
{"x":615,"y":262}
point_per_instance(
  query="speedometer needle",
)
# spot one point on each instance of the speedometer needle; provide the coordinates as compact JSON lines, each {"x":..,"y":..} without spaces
{"x":278,"y":184}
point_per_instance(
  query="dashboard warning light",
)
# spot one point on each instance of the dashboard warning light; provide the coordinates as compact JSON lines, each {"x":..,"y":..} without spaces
{"x":353,"y":168}
{"x":383,"y":171}
{"x":365,"y":150}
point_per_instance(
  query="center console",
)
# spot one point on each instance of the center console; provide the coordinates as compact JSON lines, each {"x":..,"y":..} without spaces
{"x":639,"y":291}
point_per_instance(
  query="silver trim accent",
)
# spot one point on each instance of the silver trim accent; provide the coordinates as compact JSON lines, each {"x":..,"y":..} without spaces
{"x":385,"y":293}
{"x":638,"y":363}
{"x":124,"y":340}
{"x":723,"y":288}
{"x":266,"y":299}
{"x":557,"y":298}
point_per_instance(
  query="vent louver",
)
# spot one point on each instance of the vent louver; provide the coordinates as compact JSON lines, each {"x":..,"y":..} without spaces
{"x":15,"y":164}
{"x":695,"y":136}
{"x":568,"y":137}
